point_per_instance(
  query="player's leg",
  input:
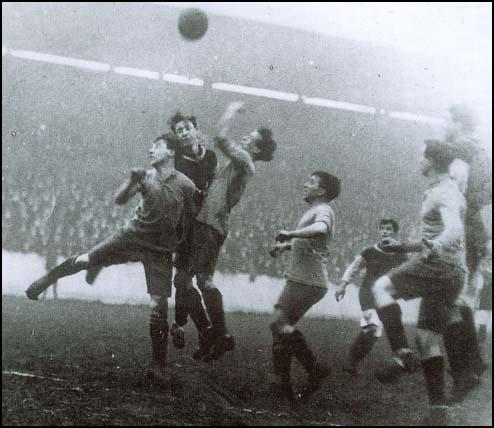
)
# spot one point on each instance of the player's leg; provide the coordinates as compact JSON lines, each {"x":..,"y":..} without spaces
{"x":113,"y":250}
{"x":282,"y":355}
{"x":432,"y":363}
{"x":70,"y":266}
{"x":384,"y":292}
{"x":218,"y":334}
{"x":457,"y":340}
{"x":187,"y":302}
{"x":371,"y":331}
{"x":483,"y":317}
{"x":158,"y":271}
{"x":295,"y":300}
{"x":92,"y":273}
{"x":206,"y":244}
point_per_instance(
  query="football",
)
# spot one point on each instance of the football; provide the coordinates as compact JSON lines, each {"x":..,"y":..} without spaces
{"x":193,"y":24}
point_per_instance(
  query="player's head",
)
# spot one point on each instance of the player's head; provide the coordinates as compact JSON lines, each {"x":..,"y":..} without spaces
{"x":321,"y":186}
{"x":185,"y":128}
{"x":260,"y":144}
{"x":163,"y":149}
{"x":437,"y":157}
{"x":388,"y":228}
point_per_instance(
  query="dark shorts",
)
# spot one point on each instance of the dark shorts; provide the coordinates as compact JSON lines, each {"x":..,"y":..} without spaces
{"x":366,"y":299}
{"x":296,"y":299}
{"x":126,"y":246}
{"x":204,"y":249}
{"x":439,"y":285}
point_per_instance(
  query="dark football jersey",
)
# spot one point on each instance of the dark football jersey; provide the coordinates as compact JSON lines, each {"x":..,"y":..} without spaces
{"x":201,"y":171}
{"x":378,"y":263}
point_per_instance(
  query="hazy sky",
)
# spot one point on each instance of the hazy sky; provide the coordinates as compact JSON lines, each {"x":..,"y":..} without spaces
{"x":460,"y":34}
{"x":433,"y":28}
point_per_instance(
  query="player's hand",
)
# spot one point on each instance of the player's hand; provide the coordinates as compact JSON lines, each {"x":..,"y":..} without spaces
{"x":340,"y":291}
{"x":234,"y":108}
{"x":283,"y":236}
{"x":276,"y":250}
{"x":435,"y":247}
{"x":137,"y":175}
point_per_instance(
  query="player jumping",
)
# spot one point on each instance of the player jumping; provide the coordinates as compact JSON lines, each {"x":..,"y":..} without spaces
{"x":211,"y":225}
{"x":307,"y":283}
{"x":166,"y":208}
{"x":199,"y":164}
{"x":437,"y":275}
{"x":376,"y":262}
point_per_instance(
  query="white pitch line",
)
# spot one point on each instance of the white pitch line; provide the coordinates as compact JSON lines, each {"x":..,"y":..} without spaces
{"x":338,"y":105}
{"x":258,"y":92}
{"x":176,"y":78}
{"x":417,"y":118}
{"x":30,"y":375}
{"x":4,"y":50}
{"x":137,"y":72}
{"x":61,"y":60}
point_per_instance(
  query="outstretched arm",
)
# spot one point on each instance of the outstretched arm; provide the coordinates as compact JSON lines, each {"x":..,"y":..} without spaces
{"x":351,"y":272}
{"x":131,"y":186}
{"x":312,"y":231}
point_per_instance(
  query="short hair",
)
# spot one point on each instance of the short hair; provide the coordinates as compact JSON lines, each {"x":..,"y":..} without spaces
{"x":330,"y":184}
{"x":179,"y":117}
{"x":441,"y":154}
{"x":266,"y":144}
{"x":170,"y":139}
{"x":390,"y":221}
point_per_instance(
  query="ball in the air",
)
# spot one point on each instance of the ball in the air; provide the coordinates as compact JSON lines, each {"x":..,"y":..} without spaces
{"x":193,"y":24}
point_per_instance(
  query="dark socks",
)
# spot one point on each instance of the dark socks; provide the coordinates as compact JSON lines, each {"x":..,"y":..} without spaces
{"x":456,"y":343}
{"x":361,"y":347}
{"x":193,"y":305}
{"x":391,"y":318}
{"x":214,"y":305}
{"x":158,"y":330}
{"x":471,"y":342}
{"x":181,"y":312}
{"x":282,"y":359}
{"x":433,"y":369}
{"x":300,"y":349}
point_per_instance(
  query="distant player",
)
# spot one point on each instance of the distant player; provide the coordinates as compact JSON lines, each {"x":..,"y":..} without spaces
{"x":211,"y":226}
{"x":484,"y":311}
{"x":376,"y":262}
{"x":167,"y":206}
{"x":307,"y":283}
{"x":199,"y":164}
{"x":472,"y":170}
{"x":437,"y":275}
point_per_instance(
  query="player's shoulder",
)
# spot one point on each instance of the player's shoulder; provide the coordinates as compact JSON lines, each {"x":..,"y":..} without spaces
{"x":184,"y":180}
{"x":368,"y":251}
{"x":447,"y":190}
{"x":323,"y":208}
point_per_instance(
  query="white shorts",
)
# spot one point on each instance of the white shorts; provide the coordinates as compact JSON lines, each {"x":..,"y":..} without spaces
{"x":371,"y":319}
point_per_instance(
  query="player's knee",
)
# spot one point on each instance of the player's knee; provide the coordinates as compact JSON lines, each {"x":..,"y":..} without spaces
{"x":82,"y":260}
{"x":373,"y":331}
{"x":281,"y":327}
{"x":159,"y":305}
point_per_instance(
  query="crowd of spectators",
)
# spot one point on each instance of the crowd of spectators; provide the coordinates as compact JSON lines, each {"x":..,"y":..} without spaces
{"x":48,"y":216}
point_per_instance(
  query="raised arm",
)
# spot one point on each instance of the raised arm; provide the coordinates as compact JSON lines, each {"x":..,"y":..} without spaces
{"x":131,"y":186}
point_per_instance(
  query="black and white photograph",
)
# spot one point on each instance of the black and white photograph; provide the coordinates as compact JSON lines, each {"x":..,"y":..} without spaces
{"x":247,"y":214}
